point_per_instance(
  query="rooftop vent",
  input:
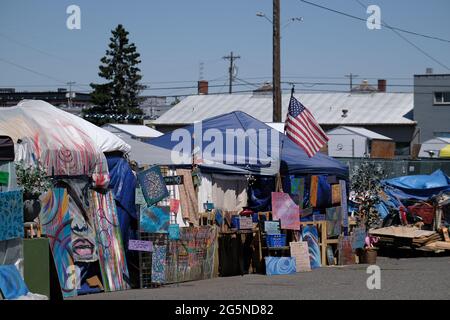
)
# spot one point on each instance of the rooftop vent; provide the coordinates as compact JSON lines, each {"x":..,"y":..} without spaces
{"x":344,"y":113}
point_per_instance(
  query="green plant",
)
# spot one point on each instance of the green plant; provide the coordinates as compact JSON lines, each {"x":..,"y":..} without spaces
{"x":33,"y":179}
{"x":365,"y":186}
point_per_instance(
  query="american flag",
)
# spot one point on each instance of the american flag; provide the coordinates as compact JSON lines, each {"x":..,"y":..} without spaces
{"x":303,"y":129}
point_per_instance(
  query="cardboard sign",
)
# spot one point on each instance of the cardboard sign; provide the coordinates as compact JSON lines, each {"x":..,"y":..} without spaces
{"x":245,"y":222}
{"x":173,"y":180}
{"x":300,"y":251}
{"x":139,"y":245}
{"x":272,"y":227}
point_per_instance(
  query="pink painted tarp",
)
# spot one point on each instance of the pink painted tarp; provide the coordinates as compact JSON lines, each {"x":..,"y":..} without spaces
{"x":64,"y":144}
{"x":285,"y":210}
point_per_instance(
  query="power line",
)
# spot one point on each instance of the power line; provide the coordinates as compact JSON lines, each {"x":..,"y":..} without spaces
{"x":410,"y":42}
{"x":33,"y":71}
{"x":383,"y":24}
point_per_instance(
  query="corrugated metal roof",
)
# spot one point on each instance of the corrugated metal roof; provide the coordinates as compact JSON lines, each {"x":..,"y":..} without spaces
{"x":362,"y":132}
{"x":136,"y":130}
{"x":363,"y":108}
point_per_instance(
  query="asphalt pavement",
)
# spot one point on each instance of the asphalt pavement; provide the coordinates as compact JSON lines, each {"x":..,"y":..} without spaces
{"x":405,"y":278}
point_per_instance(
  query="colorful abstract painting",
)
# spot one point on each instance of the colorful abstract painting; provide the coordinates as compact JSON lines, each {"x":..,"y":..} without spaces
{"x":109,"y":241}
{"x":159,"y":264}
{"x":334,"y":220}
{"x":11,"y":215}
{"x":152,"y":184}
{"x":300,"y":251}
{"x":174,"y":232}
{"x":192,"y":256}
{"x":280,"y":265}
{"x":154,"y":219}
{"x":311,"y":235}
{"x":56,"y":224}
{"x":285,"y":210}
{"x":12,"y":284}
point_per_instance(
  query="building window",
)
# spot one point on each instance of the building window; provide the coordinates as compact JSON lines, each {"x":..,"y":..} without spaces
{"x":442,"y":97}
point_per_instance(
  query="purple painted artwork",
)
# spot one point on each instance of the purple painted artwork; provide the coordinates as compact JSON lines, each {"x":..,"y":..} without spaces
{"x":285,"y":210}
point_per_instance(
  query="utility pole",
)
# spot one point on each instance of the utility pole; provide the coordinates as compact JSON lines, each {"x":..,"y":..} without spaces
{"x":351,"y":76}
{"x":70,"y":92}
{"x":276,"y":64}
{"x":231,"y":57}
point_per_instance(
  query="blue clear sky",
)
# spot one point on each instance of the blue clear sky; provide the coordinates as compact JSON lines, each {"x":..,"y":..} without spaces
{"x":174,"y":36}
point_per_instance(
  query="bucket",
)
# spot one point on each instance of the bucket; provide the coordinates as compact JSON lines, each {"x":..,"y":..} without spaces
{"x":369,"y":256}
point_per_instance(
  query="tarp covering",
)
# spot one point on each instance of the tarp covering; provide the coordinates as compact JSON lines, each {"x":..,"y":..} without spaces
{"x":261,"y":154}
{"x":62,"y":142}
{"x":420,"y":187}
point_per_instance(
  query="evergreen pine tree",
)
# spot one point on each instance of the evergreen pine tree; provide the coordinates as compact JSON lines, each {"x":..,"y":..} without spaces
{"x":119,"y":95}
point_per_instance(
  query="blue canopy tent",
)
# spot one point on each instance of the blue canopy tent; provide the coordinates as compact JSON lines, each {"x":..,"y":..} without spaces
{"x":260,"y":156}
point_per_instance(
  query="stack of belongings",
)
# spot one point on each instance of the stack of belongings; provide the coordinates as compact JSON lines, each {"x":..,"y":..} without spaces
{"x":405,"y":236}
{"x":416,"y":200}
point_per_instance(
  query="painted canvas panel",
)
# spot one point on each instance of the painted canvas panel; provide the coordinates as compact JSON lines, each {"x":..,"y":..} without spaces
{"x":155,"y":219}
{"x":343,"y":188}
{"x":334,"y":220}
{"x":300,"y":251}
{"x":12,"y":284}
{"x":313,"y":191}
{"x":174,"y":205}
{"x":174,"y":232}
{"x":109,"y":240}
{"x":159,"y":264}
{"x":298,"y":190}
{"x":11,"y":215}
{"x":192,"y":256}
{"x":152,"y":184}
{"x":280,"y":265}
{"x":310,"y":234}
{"x":285,"y":210}
{"x":358,"y":238}
{"x":346,"y":254}
{"x":330,"y":256}
{"x":335,"y":194}
{"x":56,"y":224}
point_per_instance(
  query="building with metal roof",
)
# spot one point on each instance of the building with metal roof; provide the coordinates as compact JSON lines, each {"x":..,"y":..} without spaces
{"x":386,"y":113}
{"x":138,"y":132}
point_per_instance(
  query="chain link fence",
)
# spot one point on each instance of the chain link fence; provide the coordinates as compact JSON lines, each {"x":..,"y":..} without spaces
{"x":397,"y":168}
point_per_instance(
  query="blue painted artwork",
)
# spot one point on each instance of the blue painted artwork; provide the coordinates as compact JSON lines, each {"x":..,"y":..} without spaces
{"x":12,"y":285}
{"x":159,"y":264}
{"x":311,"y":235}
{"x":358,"y":238}
{"x":155,"y":219}
{"x":152,"y":184}
{"x":280,"y":265}
{"x":11,"y":215}
{"x":174,"y":232}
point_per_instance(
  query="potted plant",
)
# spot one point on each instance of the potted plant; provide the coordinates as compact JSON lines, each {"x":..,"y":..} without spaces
{"x":34,"y":181}
{"x":369,"y":255}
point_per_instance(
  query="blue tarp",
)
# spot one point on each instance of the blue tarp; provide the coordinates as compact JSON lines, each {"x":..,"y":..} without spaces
{"x":294,"y":161}
{"x":421,"y":187}
{"x":123,"y":183}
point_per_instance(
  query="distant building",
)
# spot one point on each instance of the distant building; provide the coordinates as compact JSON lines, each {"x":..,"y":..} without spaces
{"x":154,"y":107}
{"x":432,"y":105}
{"x":10,"y":97}
{"x":137,"y":132}
{"x":357,"y":142}
{"x":432,"y":148}
{"x":386,"y":113}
